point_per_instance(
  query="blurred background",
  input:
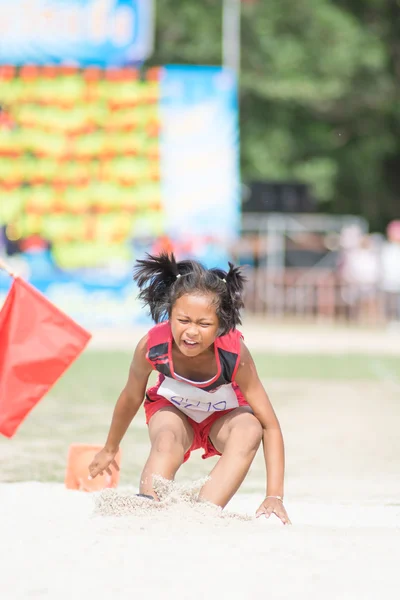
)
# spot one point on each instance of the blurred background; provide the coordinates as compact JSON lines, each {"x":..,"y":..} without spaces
{"x":264,"y":132}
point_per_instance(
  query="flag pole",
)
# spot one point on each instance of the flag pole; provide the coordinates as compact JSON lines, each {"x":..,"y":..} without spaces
{"x":6,"y":268}
{"x":231,"y":16}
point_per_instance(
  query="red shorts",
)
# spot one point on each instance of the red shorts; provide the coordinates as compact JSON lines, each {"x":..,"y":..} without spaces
{"x":154,"y":402}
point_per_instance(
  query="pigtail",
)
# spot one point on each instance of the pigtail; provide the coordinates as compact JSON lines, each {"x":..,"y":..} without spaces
{"x":155,"y":275}
{"x":235,"y":282}
{"x":232,"y":300}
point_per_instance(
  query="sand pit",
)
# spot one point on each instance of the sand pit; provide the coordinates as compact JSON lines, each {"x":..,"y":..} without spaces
{"x":55,"y":545}
{"x":343,"y":497}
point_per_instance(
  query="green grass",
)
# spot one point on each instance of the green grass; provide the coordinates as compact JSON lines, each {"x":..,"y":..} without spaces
{"x":79,"y":408}
{"x":322,"y":367}
{"x":108,"y":370}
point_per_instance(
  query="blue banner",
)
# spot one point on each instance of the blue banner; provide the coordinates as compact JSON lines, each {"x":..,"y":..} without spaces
{"x":76,"y":32}
{"x":200,"y":154}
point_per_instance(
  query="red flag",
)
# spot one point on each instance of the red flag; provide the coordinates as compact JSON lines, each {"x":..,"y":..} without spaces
{"x":38,"y":343}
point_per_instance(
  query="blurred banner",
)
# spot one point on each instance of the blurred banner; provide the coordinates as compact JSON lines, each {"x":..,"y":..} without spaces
{"x":200,"y":153}
{"x":99,"y":166}
{"x":78,"y":32}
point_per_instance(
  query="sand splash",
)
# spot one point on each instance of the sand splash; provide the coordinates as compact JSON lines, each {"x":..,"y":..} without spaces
{"x":176,"y":499}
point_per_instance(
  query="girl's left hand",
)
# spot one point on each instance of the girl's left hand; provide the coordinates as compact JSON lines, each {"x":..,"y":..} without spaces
{"x":273,"y":506}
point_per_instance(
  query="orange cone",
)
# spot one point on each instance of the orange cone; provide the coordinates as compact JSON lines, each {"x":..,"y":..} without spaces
{"x":76,"y":478}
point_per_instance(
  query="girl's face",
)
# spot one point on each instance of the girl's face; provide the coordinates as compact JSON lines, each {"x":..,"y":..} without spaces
{"x":194,"y":323}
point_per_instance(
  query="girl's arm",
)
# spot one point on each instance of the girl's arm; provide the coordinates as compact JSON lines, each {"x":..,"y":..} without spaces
{"x":127,"y":406}
{"x":253,"y":390}
{"x":131,"y":397}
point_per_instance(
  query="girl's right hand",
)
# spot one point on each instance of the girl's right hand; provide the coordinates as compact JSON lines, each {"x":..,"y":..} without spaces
{"x":102,"y":462}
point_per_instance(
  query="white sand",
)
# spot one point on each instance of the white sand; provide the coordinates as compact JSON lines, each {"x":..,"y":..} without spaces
{"x":54,"y":545}
{"x":343,"y":496}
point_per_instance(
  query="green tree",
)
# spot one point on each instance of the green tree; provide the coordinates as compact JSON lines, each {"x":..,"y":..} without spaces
{"x":318,"y":92}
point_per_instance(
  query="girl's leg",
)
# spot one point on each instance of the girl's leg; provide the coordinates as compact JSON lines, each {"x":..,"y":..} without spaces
{"x":237,"y":435}
{"x":171,"y":436}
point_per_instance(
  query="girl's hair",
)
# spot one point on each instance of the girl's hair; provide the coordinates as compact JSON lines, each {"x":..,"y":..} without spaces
{"x":162,"y":281}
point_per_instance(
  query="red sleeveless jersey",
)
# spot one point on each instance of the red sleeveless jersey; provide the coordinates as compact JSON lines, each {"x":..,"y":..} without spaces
{"x":227,"y":354}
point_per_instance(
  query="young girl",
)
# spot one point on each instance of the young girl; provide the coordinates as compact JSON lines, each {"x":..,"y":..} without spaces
{"x":208,"y":393}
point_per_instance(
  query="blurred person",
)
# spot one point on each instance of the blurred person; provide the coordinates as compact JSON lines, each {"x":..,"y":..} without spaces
{"x":10,"y":248}
{"x":11,"y":238}
{"x":390,"y":271}
{"x":37,"y":252}
{"x":35,"y":243}
{"x":360,"y":272}
{"x":2,"y":241}
{"x":208,"y":394}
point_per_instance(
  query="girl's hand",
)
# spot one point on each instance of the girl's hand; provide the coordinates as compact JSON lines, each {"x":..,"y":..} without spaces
{"x":102,"y":462}
{"x":275,"y":506}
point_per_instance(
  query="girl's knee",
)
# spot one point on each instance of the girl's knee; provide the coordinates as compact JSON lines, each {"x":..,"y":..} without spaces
{"x":168,"y":442}
{"x":247,"y":434}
